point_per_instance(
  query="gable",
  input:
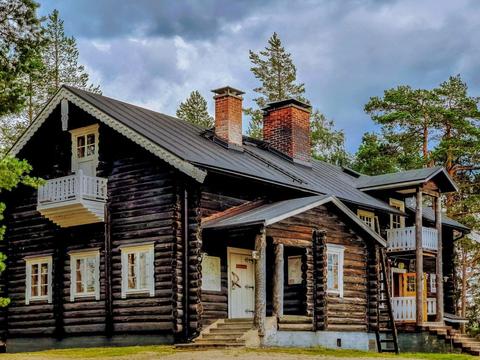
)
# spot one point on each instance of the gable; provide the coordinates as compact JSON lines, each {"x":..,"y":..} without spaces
{"x":65,"y":93}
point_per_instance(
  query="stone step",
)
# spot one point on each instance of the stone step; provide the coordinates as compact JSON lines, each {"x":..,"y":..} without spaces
{"x":221,"y":337}
{"x":226,"y":331}
{"x":238,"y":321}
{"x":232,"y":326}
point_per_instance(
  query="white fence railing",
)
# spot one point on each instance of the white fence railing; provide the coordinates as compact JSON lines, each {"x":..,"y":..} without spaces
{"x":405,"y":308}
{"x":404,"y":238}
{"x":72,"y":187}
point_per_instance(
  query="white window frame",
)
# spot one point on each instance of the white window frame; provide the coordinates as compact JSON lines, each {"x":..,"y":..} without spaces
{"x":29,"y":262}
{"x":76,"y":133}
{"x":78,"y":255}
{"x":367,"y":214}
{"x":433,"y":283}
{"x":150,"y":268}
{"x":400,"y":205}
{"x":333,"y":249}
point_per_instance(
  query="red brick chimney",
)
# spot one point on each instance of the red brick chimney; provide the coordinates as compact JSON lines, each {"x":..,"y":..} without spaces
{"x":286,"y":127}
{"x":228,"y":115}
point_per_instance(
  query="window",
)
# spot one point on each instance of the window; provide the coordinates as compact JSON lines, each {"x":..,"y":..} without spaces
{"x":85,"y":274}
{"x":138,"y":269}
{"x":367,"y":217}
{"x":433,"y":283}
{"x":397,"y":221}
{"x":335,"y":269}
{"x":38,"y":279}
{"x":85,"y":149}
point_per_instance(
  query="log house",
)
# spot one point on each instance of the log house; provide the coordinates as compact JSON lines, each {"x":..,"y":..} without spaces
{"x":151,"y":230}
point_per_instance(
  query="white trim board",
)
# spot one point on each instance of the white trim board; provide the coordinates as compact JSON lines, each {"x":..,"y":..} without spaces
{"x":155,"y":149}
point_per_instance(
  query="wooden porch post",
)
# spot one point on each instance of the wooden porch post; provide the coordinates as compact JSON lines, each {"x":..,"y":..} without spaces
{"x":439,"y":259}
{"x":419,"y":257}
{"x":278,"y":279}
{"x":260,"y":282}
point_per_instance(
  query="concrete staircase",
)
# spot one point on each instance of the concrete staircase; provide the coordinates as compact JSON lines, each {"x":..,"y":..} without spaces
{"x":468,"y":344}
{"x":295,"y":323}
{"x":223,"y":333}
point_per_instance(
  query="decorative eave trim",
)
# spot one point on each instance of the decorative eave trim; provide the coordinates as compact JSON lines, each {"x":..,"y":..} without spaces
{"x":64,"y":93}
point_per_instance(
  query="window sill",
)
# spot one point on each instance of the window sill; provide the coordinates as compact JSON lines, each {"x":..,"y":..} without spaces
{"x":38,"y":300}
{"x":140,"y":291}
{"x":92,"y":296}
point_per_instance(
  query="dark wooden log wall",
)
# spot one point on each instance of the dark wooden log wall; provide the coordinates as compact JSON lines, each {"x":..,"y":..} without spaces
{"x":142,"y":208}
{"x":449,"y":270}
{"x":27,"y":234}
{"x":214,"y":304}
{"x":349,"y":312}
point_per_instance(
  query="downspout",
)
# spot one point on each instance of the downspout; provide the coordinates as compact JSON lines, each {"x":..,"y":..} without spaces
{"x":185,"y":263}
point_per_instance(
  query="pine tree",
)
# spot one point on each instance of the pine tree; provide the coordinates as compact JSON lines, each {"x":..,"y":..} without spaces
{"x":20,"y":39}
{"x":194,"y":110}
{"x":61,"y":59}
{"x":328,"y":144}
{"x":54,"y":65}
{"x":277,"y":74}
{"x":404,"y":113}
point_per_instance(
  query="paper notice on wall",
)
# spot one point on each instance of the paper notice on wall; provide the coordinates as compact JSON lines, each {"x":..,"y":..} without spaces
{"x":294,"y":270}
{"x":211,"y":273}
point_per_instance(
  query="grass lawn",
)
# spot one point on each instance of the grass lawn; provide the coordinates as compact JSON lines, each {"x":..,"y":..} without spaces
{"x":157,"y":352}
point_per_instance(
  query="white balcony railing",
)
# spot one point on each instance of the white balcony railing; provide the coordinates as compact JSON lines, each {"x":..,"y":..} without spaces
{"x":402,"y":239}
{"x":73,"y":187}
{"x":405,"y":308}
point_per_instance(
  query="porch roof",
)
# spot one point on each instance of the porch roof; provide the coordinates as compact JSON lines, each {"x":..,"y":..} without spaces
{"x":408,"y":178}
{"x":268,"y":214}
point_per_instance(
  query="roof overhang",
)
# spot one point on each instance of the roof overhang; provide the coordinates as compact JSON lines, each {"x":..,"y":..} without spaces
{"x":64,"y":93}
{"x":449,"y":185}
{"x":216,"y":224}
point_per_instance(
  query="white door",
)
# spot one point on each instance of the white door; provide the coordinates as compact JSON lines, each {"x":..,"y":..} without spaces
{"x":241,"y":287}
{"x":88,"y":167}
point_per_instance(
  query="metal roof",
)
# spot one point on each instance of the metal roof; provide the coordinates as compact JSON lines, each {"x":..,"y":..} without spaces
{"x":269,"y":214}
{"x":429,"y":215}
{"x":187,"y":142}
{"x":186,"y":147}
{"x":404,"y":178}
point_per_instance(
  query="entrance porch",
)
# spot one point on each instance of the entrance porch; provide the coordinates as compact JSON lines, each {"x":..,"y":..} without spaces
{"x":299,"y":265}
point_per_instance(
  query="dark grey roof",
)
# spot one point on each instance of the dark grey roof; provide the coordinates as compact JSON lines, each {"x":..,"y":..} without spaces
{"x":187,"y":142}
{"x":269,"y":214}
{"x":429,"y":215}
{"x":415,"y":176}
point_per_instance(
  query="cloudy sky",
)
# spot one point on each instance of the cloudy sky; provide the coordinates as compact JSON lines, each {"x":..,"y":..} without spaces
{"x":154,"y":53}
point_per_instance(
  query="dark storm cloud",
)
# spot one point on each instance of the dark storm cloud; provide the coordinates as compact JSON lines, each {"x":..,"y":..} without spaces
{"x":193,"y":19}
{"x":154,"y":53}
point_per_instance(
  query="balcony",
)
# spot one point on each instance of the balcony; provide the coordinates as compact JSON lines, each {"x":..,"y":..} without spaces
{"x":403,"y":239}
{"x":405,"y":309}
{"x":73,"y":200}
